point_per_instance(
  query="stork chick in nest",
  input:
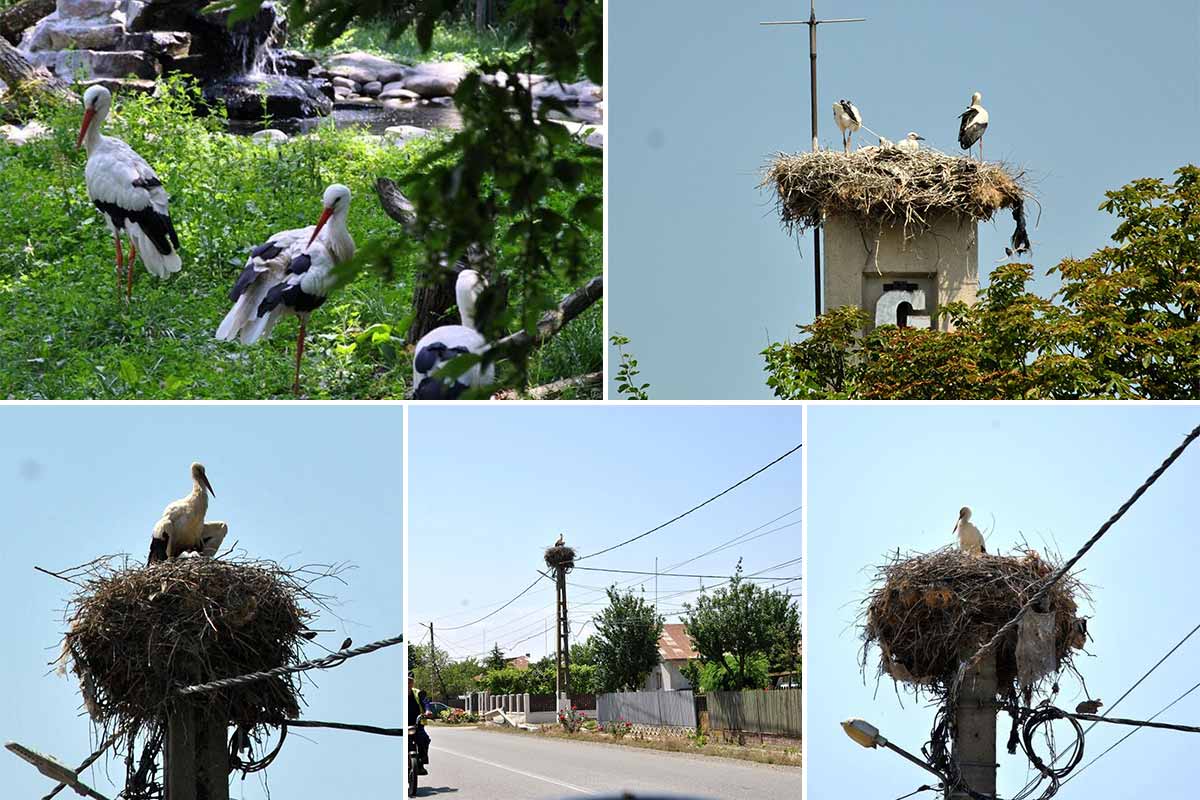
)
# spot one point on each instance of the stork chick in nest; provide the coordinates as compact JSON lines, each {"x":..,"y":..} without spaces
{"x":182,"y":527}
{"x":970,"y":540}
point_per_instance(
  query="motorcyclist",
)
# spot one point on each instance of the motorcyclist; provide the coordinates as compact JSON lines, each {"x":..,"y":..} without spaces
{"x":417,"y":714}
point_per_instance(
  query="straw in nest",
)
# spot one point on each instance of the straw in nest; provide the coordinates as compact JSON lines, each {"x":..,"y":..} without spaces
{"x":138,"y":634}
{"x":890,"y":186}
{"x":925,"y":611}
{"x":560,"y":556}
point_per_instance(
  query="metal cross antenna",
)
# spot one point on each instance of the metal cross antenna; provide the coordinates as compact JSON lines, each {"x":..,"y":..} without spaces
{"x":812,"y":22}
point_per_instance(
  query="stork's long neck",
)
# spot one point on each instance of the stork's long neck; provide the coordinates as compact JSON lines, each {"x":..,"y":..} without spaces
{"x":199,"y":496}
{"x":337,"y":238}
{"x":93,"y":136}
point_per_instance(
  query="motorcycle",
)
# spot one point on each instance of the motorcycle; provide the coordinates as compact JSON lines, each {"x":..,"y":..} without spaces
{"x":414,"y":761}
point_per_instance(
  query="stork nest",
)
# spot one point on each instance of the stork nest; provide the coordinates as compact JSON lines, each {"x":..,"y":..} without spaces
{"x":926,"y":610}
{"x":560,"y":556}
{"x":889,"y":186}
{"x":139,"y":634}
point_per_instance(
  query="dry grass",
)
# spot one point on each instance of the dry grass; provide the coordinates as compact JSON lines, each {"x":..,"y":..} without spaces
{"x":925,"y":610}
{"x":138,"y":634}
{"x":889,"y":186}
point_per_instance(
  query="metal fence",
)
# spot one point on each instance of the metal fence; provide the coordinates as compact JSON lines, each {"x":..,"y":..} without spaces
{"x":668,"y":709}
{"x":756,"y":711}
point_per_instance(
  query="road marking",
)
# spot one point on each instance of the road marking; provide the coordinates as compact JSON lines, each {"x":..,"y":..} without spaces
{"x":535,"y":776}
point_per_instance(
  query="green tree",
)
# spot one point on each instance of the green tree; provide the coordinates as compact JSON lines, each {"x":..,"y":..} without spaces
{"x":735,"y":630}
{"x":507,"y":161}
{"x":1124,"y":324}
{"x":626,"y":642}
{"x":496,"y":659}
{"x":583,"y":653}
{"x":506,"y":680}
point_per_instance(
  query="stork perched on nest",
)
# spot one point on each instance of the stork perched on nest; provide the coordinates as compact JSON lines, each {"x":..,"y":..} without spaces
{"x":970,"y":540}
{"x":127,"y":191}
{"x":182,"y":527}
{"x":972,"y":123}
{"x":910,"y":143}
{"x":848,"y":120}
{"x":559,"y":542}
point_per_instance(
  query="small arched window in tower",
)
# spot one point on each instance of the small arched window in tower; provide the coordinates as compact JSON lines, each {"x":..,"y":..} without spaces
{"x":902,"y":312}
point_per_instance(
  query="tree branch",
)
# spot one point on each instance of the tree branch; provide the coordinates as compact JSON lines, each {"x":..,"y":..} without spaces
{"x":551,"y":323}
{"x":550,"y":391}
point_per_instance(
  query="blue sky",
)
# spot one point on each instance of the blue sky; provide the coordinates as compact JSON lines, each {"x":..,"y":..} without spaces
{"x":297,"y":485}
{"x":888,"y":477}
{"x":1086,"y":95}
{"x":492,"y":486}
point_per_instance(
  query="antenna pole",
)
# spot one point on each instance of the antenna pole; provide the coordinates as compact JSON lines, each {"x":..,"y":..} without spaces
{"x":812,"y":22}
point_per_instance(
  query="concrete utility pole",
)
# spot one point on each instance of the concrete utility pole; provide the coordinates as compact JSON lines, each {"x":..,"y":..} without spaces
{"x":812,"y":22}
{"x":564,"y":635}
{"x":196,"y":755}
{"x":974,"y":750}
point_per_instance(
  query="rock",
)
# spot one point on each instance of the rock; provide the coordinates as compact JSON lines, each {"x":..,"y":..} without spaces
{"x":341,"y":93}
{"x":285,"y":97}
{"x":124,"y":85}
{"x":293,"y":62}
{"x":371,"y":88}
{"x":435,"y":79}
{"x":344,"y":82}
{"x":399,"y":135}
{"x":133,"y":10}
{"x":363,"y":67}
{"x":588,"y":93}
{"x":395,"y":104}
{"x":83,"y":9}
{"x":175,"y":44}
{"x":223,"y":51}
{"x":269,"y":136}
{"x":15,"y":134}
{"x":92,"y":63}
{"x":398,"y":93}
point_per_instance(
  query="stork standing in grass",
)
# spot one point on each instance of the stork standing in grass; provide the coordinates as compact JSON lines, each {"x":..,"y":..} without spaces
{"x":127,"y":191}
{"x":448,"y":342}
{"x":290,"y":273}
{"x":182,"y":527}
{"x":848,"y":121}
{"x":972,"y":123}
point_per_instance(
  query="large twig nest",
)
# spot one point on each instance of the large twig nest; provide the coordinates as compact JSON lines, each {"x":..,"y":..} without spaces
{"x":138,"y":634}
{"x":560,"y":556}
{"x":890,"y":186}
{"x":925,"y":611}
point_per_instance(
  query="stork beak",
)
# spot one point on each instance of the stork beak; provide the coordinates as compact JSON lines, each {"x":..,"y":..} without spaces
{"x":87,"y":120}
{"x":207,"y":485}
{"x":320,"y":224}
{"x":921,"y":138}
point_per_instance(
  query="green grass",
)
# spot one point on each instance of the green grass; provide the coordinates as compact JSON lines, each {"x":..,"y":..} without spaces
{"x":451,"y":41}
{"x":66,"y":333}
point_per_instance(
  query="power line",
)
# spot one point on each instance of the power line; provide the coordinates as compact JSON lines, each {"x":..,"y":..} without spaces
{"x":694,"y":508}
{"x":501,"y":608}
{"x":1131,"y":733}
{"x":1007,"y":627}
{"x":674,"y":574}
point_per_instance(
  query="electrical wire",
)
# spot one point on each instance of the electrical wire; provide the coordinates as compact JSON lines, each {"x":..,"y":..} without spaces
{"x":694,"y":508}
{"x":498,"y":610}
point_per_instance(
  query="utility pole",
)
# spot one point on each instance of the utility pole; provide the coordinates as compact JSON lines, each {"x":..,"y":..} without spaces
{"x":196,"y":755}
{"x":564,"y":632}
{"x":974,"y":750}
{"x":812,"y":22}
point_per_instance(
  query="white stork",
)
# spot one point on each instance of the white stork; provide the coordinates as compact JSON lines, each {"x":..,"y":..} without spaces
{"x":972,"y":123}
{"x":182,"y":527}
{"x":447,"y":342}
{"x":290,"y":273}
{"x":910,"y":143}
{"x":970,"y":540}
{"x":848,"y":121}
{"x":124,"y":187}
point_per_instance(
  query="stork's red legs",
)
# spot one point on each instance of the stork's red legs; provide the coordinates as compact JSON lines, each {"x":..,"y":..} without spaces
{"x":120,"y":260}
{"x":129,"y":270}
{"x":299,"y":355}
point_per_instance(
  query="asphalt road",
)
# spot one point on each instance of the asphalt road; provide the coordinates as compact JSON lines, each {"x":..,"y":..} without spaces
{"x":467,"y":764}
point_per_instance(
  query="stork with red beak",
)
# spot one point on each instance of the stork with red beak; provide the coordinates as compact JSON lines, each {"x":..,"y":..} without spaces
{"x":128,"y":193}
{"x":290,"y":273}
